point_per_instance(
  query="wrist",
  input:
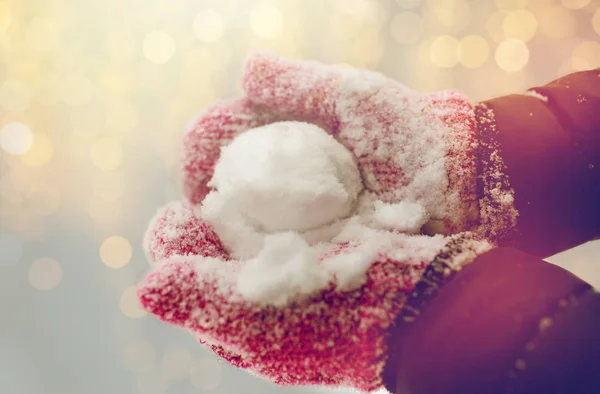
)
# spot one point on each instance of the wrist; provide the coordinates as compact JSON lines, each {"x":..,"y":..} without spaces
{"x":475,"y":331}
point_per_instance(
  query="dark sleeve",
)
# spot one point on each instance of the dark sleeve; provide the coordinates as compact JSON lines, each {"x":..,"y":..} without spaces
{"x":549,"y":142}
{"x":507,"y":323}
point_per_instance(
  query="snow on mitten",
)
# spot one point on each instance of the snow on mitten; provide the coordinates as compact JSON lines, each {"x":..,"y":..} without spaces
{"x":300,"y":242}
{"x":296,"y":315}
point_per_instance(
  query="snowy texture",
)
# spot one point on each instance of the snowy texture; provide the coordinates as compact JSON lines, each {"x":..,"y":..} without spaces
{"x":533,"y":93}
{"x":286,"y":268}
{"x":287,"y":176}
{"x":307,"y":299}
{"x":404,"y":216}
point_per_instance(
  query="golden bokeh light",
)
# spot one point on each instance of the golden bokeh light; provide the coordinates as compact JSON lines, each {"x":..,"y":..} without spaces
{"x":106,"y":153}
{"x":44,"y":199}
{"x":474,"y":51}
{"x":5,"y":16}
{"x":596,"y":21}
{"x":27,"y":226}
{"x":104,"y":212}
{"x":206,"y":374}
{"x":139,"y":356}
{"x":15,"y":138}
{"x":176,"y":363}
{"x":444,"y":51}
{"x":574,"y":4}
{"x":76,"y":90}
{"x":159,"y":47}
{"x":520,"y":24}
{"x":407,"y":27}
{"x":266,"y":21}
{"x":586,"y":56}
{"x":14,"y":95}
{"x":208,"y":26}
{"x":408,"y":4}
{"x":47,"y":91}
{"x":121,"y":47}
{"x":109,"y":186}
{"x":512,"y":55}
{"x":42,"y":35}
{"x":44,"y":274}
{"x":448,"y":13}
{"x":116,"y":252}
{"x":130,"y":304}
{"x":41,"y":151}
{"x":511,"y":4}
{"x":557,"y":22}
{"x":494,"y":26}
{"x":121,"y":116}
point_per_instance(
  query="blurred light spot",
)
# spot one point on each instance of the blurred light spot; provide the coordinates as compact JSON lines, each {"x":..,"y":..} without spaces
{"x":11,"y":250}
{"x":115,"y":252}
{"x":14,"y":96}
{"x":208,"y":26}
{"x":408,"y":3}
{"x":45,"y":274}
{"x":449,"y":13}
{"x":574,"y":4}
{"x":5,"y":16}
{"x":152,"y":383}
{"x":205,"y":374}
{"x":512,"y":55}
{"x":444,"y":51}
{"x":266,"y":21}
{"x":42,"y":35}
{"x":130,"y":304}
{"x":44,"y":199}
{"x":28,"y":226}
{"x":87,"y":121}
{"x":511,"y":4}
{"x":495,"y":26}
{"x":596,"y":21}
{"x":20,"y":178}
{"x":407,"y":27}
{"x":159,"y":47}
{"x":109,"y":186}
{"x":47,"y":91}
{"x":121,"y":47}
{"x":106,"y":154}
{"x":116,"y":83}
{"x":121,"y":116}
{"x":474,"y":51}
{"x":557,"y":22}
{"x":16,"y":138}
{"x":176,"y":363}
{"x":104,"y":212}
{"x":40,"y":153}
{"x":586,"y":56}
{"x":520,"y":24}
{"x":139,"y":356}
{"x":76,"y":90}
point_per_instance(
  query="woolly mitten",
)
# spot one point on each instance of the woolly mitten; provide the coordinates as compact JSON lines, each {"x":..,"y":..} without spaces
{"x":316,"y":307}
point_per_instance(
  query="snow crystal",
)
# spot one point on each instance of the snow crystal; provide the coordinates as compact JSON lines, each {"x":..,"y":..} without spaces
{"x":286,"y":268}
{"x":537,"y":95}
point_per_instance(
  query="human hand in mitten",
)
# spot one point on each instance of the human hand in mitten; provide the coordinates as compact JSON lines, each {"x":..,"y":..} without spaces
{"x":294,"y":314}
{"x":297,"y":249}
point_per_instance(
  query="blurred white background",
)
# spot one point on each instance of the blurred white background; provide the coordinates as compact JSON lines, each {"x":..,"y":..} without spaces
{"x":94,"y":97}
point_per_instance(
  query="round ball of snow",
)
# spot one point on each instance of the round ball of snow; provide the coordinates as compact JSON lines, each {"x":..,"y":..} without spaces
{"x":287,"y":176}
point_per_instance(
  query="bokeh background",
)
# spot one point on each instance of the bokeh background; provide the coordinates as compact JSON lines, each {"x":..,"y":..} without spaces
{"x":94,"y":98}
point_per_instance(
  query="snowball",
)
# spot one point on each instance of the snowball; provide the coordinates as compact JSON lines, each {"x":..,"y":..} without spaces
{"x":286,"y":268}
{"x":286,"y":176}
